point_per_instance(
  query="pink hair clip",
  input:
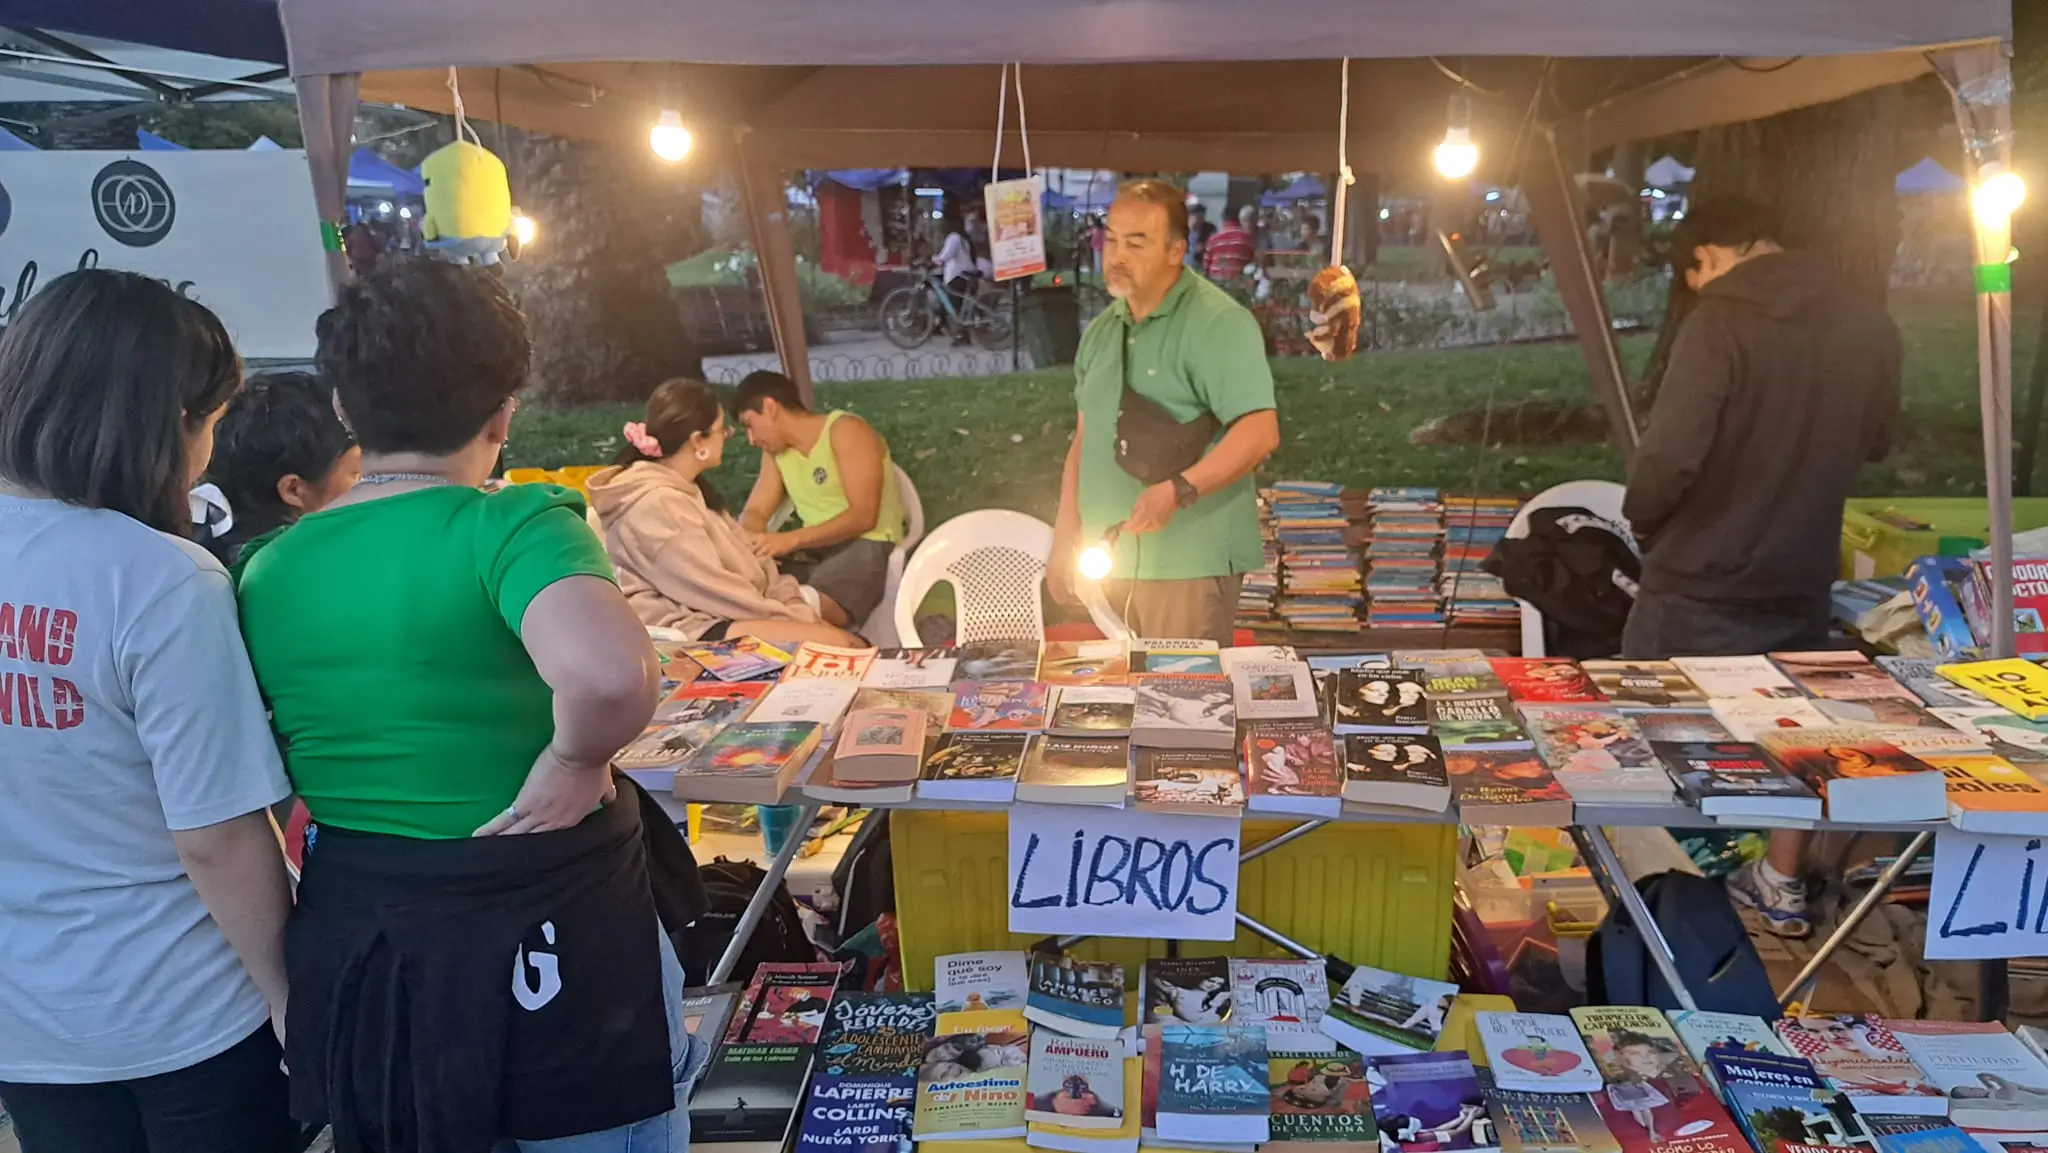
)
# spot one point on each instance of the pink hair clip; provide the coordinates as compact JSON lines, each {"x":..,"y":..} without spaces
{"x":638,"y":436}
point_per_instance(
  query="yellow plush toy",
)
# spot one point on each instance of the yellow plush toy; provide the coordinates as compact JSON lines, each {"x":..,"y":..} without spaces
{"x":469,"y":203}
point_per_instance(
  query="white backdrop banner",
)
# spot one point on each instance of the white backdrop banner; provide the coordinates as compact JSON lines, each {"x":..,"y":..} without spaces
{"x":235,"y":231}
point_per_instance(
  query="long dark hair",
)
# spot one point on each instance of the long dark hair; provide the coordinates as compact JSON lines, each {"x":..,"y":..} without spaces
{"x":103,"y":374}
{"x":678,"y":410}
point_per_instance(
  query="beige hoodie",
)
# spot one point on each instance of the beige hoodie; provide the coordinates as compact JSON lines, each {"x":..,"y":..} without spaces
{"x":681,"y":565}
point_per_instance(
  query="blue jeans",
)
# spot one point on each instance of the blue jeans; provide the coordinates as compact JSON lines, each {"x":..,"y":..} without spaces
{"x":668,"y":1133}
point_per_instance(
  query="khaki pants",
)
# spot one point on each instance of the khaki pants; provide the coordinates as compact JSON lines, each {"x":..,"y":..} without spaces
{"x":1198,"y":608}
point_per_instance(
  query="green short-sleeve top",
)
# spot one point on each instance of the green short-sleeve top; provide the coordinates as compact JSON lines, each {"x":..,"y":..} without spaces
{"x":386,"y":639}
{"x":1198,"y":351}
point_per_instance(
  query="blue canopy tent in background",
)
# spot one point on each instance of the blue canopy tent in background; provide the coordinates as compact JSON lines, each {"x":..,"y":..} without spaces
{"x":9,"y":142}
{"x":1302,"y":188}
{"x":150,"y":142}
{"x":1928,"y":178}
{"x":368,"y":170}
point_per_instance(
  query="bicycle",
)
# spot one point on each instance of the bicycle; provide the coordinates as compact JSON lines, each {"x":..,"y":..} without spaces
{"x":911,"y":314}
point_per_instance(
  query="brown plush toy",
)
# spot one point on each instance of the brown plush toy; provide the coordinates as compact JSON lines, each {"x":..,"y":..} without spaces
{"x":1334,"y":309}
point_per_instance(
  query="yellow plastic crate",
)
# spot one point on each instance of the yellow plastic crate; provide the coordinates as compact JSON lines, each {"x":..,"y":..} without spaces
{"x":1371,"y":894}
{"x":1873,"y":548}
{"x":576,"y":476}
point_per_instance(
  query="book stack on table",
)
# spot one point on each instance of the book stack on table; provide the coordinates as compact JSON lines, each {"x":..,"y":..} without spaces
{"x":1472,"y":526}
{"x":1259,"y":593}
{"x":1402,"y":558}
{"x":1319,"y":571}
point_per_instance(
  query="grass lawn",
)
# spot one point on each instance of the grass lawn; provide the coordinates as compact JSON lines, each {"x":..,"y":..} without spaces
{"x":998,"y":441}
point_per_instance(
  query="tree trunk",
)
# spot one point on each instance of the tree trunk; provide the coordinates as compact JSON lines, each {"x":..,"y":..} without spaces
{"x":1624,"y":253}
{"x":594,"y":287}
{"x":1828,"y":171}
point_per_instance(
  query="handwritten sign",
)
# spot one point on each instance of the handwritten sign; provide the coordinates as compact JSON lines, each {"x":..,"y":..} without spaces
{"x":1016,"y":226}
{"x":1990,"y":897}
{"x":1122,"y":873}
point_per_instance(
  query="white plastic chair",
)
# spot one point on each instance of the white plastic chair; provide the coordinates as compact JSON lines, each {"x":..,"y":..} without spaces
{"x":880,"y":627}
{"x":1602,"y":498}
{"x":995,"y":560}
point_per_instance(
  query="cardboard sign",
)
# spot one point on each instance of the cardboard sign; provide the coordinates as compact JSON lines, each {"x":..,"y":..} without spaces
{"x":1122,"y":873}
{"x":1016,"y":226}
{"x":235,"y":231}
{"x":1990,"y":897}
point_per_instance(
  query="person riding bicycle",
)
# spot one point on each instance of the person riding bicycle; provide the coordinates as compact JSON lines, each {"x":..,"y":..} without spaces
{"x":957,"y":266}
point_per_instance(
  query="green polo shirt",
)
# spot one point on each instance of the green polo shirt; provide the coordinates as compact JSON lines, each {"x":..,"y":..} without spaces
{"x":1199,"y":351}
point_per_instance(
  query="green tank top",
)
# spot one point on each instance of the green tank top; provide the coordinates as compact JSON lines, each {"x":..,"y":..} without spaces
{"x":814,"y":486}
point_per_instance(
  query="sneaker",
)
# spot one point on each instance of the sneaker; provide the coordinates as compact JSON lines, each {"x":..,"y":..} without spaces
{"x":1781,"y":904}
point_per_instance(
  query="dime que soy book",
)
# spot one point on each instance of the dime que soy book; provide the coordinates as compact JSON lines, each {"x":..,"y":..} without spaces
{"x":977,"y":982}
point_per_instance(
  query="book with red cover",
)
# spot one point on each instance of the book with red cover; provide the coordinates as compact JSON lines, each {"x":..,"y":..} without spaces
{"x":812,"y":659}
{"x":1861,"y":1057}
{"x":1292,"y":767}
{"x":784,"y":1004}
{"x":1689,"y":1120}
{"x":1860,"y":775}
{"x":2029,"y":601}
{"x":1545,"y":679}
{"x":1506,"y":787}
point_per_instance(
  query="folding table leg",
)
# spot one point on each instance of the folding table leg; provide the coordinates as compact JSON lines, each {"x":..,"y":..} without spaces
{"x":757,"y":905}
{"x":1855,"y":915}
{"x":1613,"y":879}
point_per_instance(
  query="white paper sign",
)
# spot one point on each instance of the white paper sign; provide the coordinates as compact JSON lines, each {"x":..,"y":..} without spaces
{"x":235,"y":231}
{"x":1122,"y":873}
{"x":1016,"y":226}
{"x":1990,"y":897}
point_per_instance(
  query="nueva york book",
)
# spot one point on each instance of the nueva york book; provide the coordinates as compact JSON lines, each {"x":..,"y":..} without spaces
{"x":1320,"y":1103}
{"x":864,"y":1081}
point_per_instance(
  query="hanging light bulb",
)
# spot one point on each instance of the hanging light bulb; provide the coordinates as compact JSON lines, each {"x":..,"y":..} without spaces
{"x":669,"y":139}
{"x":1098,"y":560}
{"x":1998,"y":194}
{"x":524,"y":230}
{"x":1457,"y":156}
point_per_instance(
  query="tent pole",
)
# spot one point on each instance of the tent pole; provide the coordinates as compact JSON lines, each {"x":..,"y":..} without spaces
{"x":327,"y":119}
{"x":1552,"y":187}
{"x":775,"y":256}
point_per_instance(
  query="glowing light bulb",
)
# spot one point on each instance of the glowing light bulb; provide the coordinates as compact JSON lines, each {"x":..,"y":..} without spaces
{"x":1457,"y":156}
{"x":669,"y":139}
{"x":1998,"y":194}
{"x":1096,"y":561}
{"x":524,"y":230}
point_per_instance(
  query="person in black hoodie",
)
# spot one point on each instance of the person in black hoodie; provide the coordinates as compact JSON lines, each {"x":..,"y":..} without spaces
{"x":1781,"y":384}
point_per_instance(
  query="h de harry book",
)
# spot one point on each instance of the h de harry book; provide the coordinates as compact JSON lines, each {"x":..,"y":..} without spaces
{"x":1196,"y":782}
{"x":1656,"y":684}
{"x":1273,"y":691}
{"x":974,"y":767}
{"x":1078,"y":998}
{"x":976,"y":982}
{"x":1075,"y":1081}
{"x":1187,"y":991}
{"x":1092,"y":711}
{"x":1992,"y":1080}
{"x":1148,"y":1105}
{"x":1290,"y":997}
{"x":747,"y":763}
{"x":1863,"y":1059}
{"x":1291,"y":767}
{"x":1733,"y":780}
{"x":1076,"y":771}
{"x":828,"y":662}
{"x":1084,"y":663}
{"x":1183,"y":712}
{"x":1506,"y":787}
{"x":1545,"y":680}
{"x":1859,"y":775}
{"x":1212,"y":1083}
{"x":1839,"y":675}
{"x":970,"y":1085}
{"x":1537,"y":1053}
{"x":911,"y":669}
{"x":1429,"y":1102}
{"x":1736,"y":677}
{"x":1396,"y":769}
{"x":1379,"y":701}
{"x":998,"y":706}
{"x":1319,"y":1101}
{"x":1376,"y":1011}
{"x":2018,"y":685}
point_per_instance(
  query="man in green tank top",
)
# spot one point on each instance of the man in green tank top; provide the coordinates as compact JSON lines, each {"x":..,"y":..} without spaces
{"x":834,"y":468}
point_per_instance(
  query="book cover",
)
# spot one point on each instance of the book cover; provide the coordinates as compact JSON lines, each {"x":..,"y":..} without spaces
{"x":1212,"y":1083}
{"x":1704,"y":1032}
{"x":971,"y":1085}
{"x":1476,"y":722}
{"x":1545,"y":679}
{"x":1883,"y":712}
{"x":998,"y":706}
{"x":1075,"y":1081}
{"x":819,"y":700}
{"x":1092,"y":710}
{"x":875,"y":1034}
{"x":1123,"y":1138}
{"x":1537,"y":1053}
{"x":1748,"y":719}
{"x":1289,"y":997}
{"x":748,"y":762}
{"x":912,"y":668}
{"x":852,"y":1114}
{"x":1429,"y":1103}
{"x":935,"y":704}
{"x":684,"y":723}
{"x":1396,"y":769}
{"x":830,"y":662}
{"x":1080,"y":770}
{"x":882,"y":733}
{"x":742,"y":659}
{"x":1291,"y":767}
{"x":784,"y":1004}
{"x":1588,"y":739}
{"x":977,"y":982}
{"x":1678,"y":724}
{"x":750,"y":1094}
{"x":1548,"y":1123}
{"x":1678,"y":1114}
{"x":1273,"y":690}
{"x":1084,"y":663}
{"x":1201,"y":782}
{"x":1187,"y":657}
{"x":1452,"y":676}
{"x":2009,"y":735}
{"x":996,"y":661}
{"x":1708,"y":772}
{"x":1918,"y":676}
{"x":1902,"y":1135}
{"x":1185,"y":711}
{"x":974,"y":765}
{"x":1736,"y":677}
{"x":1080,"y":998}
{"x":1376,"y":1011}
{"x":1839,"y":675}
{"x":1320,"y":1100}
{"x":1657,"y":684}
{"x":1187,"y":990}
{"x":2029,"y":584}
{"x":1363,"y":699}
{"x":1506,"y":787}
{"x":1994,"y":1142}
{"x":1783,"y":1107}
{"x":709,"y":700}
{"x":1992,"y":1080}
{"x":1632,"y":1042}
{"x":708,"y":1009}
{"x":2016,"y":685}
{"x":1859,"y":775}
{"x":1986,"y":794}
{"x":1861,"y":1057}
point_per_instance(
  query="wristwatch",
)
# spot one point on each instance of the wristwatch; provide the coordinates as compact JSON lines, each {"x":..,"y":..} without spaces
{"x":1184,"y":492}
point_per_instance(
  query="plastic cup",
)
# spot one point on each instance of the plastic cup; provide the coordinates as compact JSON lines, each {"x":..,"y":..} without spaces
{"x":778,"y":822}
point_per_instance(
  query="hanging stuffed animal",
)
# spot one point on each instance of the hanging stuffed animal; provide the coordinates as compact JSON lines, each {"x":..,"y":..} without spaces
{"x":469,"y":203}
{"x":1335,"y":310}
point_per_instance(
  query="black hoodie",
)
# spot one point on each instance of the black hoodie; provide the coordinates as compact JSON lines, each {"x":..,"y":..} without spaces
{"x":1780,"y":386}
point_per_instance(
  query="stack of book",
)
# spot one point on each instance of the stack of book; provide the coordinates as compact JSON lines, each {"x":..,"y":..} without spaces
{"x":1319,"y":572}
{"x":1472,"y":526}
{"x":1401,"y":558}
{"x":1259,"y":593}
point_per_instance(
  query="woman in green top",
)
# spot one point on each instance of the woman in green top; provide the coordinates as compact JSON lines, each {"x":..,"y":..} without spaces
{"x":448,"y":669}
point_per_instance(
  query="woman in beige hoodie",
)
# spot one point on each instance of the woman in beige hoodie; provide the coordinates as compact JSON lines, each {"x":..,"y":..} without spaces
{"x":682,"y":560}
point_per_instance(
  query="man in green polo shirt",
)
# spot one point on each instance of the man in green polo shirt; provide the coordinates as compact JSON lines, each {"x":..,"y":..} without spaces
{"x":1184,"y":344}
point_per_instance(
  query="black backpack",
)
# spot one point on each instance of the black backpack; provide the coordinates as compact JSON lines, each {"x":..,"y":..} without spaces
{"x":1580,"y":571}
{"x":865,"y":880}
{"x":728,"y":886}
{"x":1715,"y":958}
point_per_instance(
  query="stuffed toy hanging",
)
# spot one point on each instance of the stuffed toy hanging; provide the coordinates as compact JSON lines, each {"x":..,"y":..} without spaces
{"x":469,"y":203}
{"x":1335,"y":310}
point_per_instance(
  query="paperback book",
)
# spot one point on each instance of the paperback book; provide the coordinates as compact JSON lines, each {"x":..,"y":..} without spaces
{"x":1376,"y":1012}
{"x":1289,"y":997}
{"x":1545,"y":680}
{"x":1319,"y":1102}
{"x":831,"y":662}
{"x":970,"y":1086}
{"x":1597,"y":754}
{"x":1396,"y":769}
{"x":1077,"y":1082}
{"x":749,"y":1097}
{"x":1783,"y":1107}
{"x":1084,"y":663}
{"x":1187,"y":991}
{"x":1197,"y":782}
{"x":1548,"y":1122}
{"x":828,"y":785}
{"x":1379,"y":701}
{"x":1506,"y":787}
{"x":1273,"y":691}
{"x":1992,"y":1080}
{"x":1859,"y":775}
{"x":2015,"y":684}
{"x":1934,"y":690}
{"x":1291,"y":767}
{"x":880,"y":745}
{"x":742,"y":659}
{"x":784,"y":1004}
{"x":1839,"y":675}
{"x":1733,"y":781}
{"x":1677,"y":724}
{"x":998,"y":706}
{"x":864,"y":1080}
{"x":1986,"y":794}
{"x":1181,"y":712}
{"x":1901,"y":1134}
{"x":684,"y":723}
{"x":1078,"y":998}
{"x":996,"y":661}
{"x":977,"y":982}
{"x":1092,"y":711}
{"x":1677,"y":1114}
{"x":1429,"y":1103}
{"x":912,"y":668}
{"x":1076,"y":771}
{"x":1706,"y":1032}
{"x":1455,"y":676}
{"x":1198,"y":658}
{"x":1748,"y":719}
{"x":1882,"y":712}
{"x":1212,"y":1083}
{"x":1537,"y":1053}
{"x":748,"y":763}
{"x":1123,"y":1138}
{"x":1657,"y":684}
{"x":973,"y":767}
{"x":936,"y":705}
{"x":817,"y":700}
{"x":1477,"y":723}
{"x":1862,"y":1058}
{"x":1736,"y":677}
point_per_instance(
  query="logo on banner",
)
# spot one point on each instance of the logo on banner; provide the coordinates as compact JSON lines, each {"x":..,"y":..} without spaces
{"x":133,"y":204}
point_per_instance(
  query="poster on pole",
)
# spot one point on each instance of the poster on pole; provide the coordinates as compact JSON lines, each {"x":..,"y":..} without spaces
{"x":1989,"y":898}
{"x":235,"y":231}
{"x":1107,"y":872}
{"x":1016,"y":226}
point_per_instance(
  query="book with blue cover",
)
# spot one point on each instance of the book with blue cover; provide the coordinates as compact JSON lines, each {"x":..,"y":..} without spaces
{"x":1212,"y":1084}
{"x":1782,"y":1105}
{"x":1078,"y":998}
